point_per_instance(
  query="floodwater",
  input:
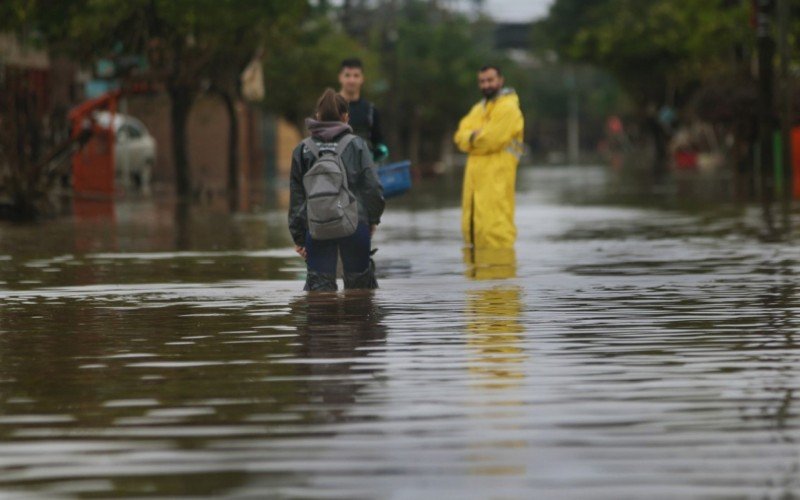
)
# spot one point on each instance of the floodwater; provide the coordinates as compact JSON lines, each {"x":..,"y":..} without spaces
{"x":639,"y":344}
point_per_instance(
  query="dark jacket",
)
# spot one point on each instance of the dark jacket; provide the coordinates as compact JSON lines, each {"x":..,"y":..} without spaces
{"x":366,"y":122}
{"x":361,"y":177}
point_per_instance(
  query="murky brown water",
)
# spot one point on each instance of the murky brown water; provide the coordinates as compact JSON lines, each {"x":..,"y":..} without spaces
{"x":629,"y":349}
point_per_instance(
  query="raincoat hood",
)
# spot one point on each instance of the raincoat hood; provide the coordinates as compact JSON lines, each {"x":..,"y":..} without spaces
{"x":326,"y":131}
{"x":504,"y":93}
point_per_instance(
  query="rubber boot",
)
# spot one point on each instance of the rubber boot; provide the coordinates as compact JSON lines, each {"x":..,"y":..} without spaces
{"x":364,"y":280}
{"x":320,"y":282}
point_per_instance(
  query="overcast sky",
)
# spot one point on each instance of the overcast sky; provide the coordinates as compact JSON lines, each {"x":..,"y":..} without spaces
{"x":506,"y":10}
{"x":517,"y":10}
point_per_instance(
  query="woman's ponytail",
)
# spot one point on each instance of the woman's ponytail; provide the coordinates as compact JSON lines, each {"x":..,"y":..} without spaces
{"x":331,"y":106}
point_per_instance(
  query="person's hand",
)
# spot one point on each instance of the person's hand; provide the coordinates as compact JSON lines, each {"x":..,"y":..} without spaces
{"x":372,"y":229}
{"x":301,"y":251}
{"x":473,"y":135}
{"x":381,"y":153}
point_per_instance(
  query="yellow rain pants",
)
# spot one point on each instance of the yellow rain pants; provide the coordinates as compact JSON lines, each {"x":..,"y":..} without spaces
{"x":487,"y":202}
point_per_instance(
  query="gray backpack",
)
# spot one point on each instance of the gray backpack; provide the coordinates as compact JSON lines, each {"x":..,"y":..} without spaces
{"x":331,"y":208}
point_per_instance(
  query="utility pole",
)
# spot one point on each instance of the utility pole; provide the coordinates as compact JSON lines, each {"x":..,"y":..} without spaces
{"x":784,"y":13}
{"x":573,"y":119}
{"x":766,"y":51}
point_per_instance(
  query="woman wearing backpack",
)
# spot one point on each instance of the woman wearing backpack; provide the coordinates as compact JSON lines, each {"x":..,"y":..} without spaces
{"x":336,"y":201}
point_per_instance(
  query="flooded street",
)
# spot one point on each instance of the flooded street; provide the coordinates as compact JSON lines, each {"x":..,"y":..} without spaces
{"x":637,"y":345}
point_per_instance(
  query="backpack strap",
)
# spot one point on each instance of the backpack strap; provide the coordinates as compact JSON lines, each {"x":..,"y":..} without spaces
{"x":371,"y":116}
{"x":343,"y":143}
{"x":312,"y":146}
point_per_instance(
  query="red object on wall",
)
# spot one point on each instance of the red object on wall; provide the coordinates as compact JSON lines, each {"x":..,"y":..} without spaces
{"x":685,"y":160}
{"x":796,"y":162}
{"x":93,"y":164}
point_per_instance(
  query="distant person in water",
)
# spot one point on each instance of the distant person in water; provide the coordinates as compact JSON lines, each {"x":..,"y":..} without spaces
{"x":336,"y":201}
{"x":364,"y":116}
{"x":491,"y":134}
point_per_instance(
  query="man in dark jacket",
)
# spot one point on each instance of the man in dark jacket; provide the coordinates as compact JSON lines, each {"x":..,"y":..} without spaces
{"x":364,"y":117}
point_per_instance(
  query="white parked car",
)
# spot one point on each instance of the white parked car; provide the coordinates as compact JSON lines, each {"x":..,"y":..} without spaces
{"x":134,"y":151}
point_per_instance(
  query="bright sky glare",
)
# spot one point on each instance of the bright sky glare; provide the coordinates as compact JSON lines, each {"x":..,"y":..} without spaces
{"x":517,"y":10}
{"x":520,"y":11}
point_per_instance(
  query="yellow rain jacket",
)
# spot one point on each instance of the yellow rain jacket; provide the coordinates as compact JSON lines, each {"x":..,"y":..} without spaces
{"x":487,"y":216}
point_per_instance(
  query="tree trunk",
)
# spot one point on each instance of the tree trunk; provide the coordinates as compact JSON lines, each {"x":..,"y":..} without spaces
{"x":233,"y":143}
{"x":233,"y":148}
{"x":181,"y":97}
{"x":415,"y":140}
{"x":766,"y":119}
{"x":20,"y":147}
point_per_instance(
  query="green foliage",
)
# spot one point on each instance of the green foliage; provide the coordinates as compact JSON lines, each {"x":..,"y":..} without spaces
{"x":565,"y":19}
{"x":186,"y":40}
{"x":38,"y":21}
{"x":438,"y":63}
{"x":431,"y":57}
{"x":300,"y":61}
{"x":192,"y":39}
{"x":652,"y":46}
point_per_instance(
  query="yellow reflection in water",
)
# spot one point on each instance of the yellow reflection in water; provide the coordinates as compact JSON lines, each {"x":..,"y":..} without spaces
{"x":495,"y":332}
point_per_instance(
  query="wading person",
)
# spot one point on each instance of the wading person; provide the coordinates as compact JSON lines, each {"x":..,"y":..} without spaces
{"x":364,"y":117}
{"x":336,"y":202}
{"x":491,"y":134}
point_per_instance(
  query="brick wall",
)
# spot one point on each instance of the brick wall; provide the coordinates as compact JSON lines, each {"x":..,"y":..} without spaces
{"x":208,"y":141}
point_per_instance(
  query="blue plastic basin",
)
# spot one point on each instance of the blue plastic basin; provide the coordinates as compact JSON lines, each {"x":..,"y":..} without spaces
{"x":395,"y":178}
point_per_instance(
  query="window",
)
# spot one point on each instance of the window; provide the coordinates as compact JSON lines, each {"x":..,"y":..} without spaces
{"x":129,"y":131}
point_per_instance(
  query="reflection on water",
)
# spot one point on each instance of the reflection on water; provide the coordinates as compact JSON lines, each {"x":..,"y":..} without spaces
{"x":335,"y":332}
{"x":624,"y":350}
{"x":495,"y":332}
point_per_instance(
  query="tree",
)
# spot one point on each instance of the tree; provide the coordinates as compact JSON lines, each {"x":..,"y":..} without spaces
{"x":430,"y":57}
{"x":660,"y":51}
{"x":300,"y":60}
{"x":653,"y":48}
{"x":24,"y":178}
{"x":192,"y":45}
{"x":439,"y":65}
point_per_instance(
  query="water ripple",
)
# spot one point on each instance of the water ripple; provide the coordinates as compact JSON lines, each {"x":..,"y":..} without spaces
{"x":621,"y":353}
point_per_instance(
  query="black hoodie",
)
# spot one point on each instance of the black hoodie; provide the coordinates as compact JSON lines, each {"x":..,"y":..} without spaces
{"x":361,"y":177}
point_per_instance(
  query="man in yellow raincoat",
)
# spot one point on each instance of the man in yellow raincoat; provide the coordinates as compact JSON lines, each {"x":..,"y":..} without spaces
{"x":491,"y":134}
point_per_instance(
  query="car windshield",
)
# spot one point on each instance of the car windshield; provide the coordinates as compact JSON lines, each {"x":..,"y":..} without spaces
{"x":131,"y":131}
